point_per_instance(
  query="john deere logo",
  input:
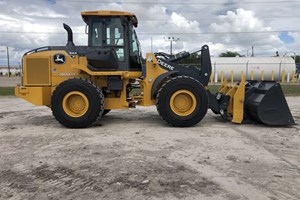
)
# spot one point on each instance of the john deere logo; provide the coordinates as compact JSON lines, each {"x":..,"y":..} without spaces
{"x":59,"y":59}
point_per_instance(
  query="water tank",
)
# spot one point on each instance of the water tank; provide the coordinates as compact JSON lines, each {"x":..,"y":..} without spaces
{"x":256,"y":68}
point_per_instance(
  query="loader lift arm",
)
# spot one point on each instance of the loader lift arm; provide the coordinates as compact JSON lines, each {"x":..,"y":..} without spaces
{"x":168,"y":62}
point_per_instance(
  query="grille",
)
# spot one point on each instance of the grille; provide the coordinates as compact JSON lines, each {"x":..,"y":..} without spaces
{"x":37,"y":71}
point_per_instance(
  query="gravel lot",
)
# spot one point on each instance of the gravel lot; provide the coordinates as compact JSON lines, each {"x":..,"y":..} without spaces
{"x":133,"y":154}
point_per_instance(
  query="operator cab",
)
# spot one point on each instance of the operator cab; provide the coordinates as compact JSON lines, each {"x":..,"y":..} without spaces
{"x":112,"y":41}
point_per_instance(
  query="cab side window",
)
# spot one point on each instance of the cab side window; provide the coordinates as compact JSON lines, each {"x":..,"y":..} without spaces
{"x":109,"y":33}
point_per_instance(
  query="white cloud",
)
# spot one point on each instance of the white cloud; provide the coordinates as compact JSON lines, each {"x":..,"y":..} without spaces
{"x":38,"y":11}
{"x":241,"y":20}
{"x":184,"y":25}
{"x":158,"y":19}
{"x":253,"y":30}
{"x":294,"y":47}
{"x":199,"y":19}
{"x":295,"y":36}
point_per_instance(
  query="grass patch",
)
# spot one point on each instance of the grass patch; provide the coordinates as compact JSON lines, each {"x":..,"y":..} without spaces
{"x":291,"y":90}
{"x":214,"y":88}
{"x":7,"y":91}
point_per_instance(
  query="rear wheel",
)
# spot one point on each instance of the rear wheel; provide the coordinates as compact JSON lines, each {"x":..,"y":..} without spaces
{"x":182,"y":101}
{"x":77,"y":103}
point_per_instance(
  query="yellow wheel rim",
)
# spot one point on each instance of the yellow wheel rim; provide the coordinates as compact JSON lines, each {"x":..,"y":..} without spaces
{"x":75,"y":104}
{"x":183,"y":103}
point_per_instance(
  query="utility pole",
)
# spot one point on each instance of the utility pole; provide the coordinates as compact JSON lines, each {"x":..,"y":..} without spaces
{"x":151,"y":45}
{"x":8,"y":62}
{"x":171,"y":39}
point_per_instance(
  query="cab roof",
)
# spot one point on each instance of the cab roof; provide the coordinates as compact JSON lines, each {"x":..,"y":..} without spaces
{"x":108,"y":13}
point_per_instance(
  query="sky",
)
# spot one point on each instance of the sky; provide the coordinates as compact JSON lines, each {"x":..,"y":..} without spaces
{"x":225,"y":25}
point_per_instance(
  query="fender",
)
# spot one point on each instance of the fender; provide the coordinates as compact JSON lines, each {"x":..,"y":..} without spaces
{"x":158,"y":80}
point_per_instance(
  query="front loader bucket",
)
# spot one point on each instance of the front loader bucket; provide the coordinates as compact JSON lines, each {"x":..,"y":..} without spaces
{"x":265,"y":103}
{"x":252,"y":102}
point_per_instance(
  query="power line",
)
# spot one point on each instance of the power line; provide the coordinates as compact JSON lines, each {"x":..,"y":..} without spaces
{"x":162,"y":33}
{"x":50,"y":33}
{"x":217,"y":33}
{"x":210,"y":19}
{"x":180,"y":3}
{"x":190,"y":19}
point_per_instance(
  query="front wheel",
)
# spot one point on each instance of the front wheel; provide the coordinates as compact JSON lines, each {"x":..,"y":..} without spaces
{"x":77,"y":103}
{"x":105,"y":112}
{"x":182,"y":101}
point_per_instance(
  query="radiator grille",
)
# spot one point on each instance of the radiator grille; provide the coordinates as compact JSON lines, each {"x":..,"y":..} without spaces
{"x":37,"y":71}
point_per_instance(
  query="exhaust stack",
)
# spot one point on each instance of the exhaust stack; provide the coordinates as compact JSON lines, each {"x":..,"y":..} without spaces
{"x":70,"y":35}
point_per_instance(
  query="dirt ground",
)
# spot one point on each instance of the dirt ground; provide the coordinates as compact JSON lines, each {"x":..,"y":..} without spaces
{"x":133,"y":154}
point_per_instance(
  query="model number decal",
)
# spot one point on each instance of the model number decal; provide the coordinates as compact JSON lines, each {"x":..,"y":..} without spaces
{"x":73,"y":53}
{"x":67,"y":74}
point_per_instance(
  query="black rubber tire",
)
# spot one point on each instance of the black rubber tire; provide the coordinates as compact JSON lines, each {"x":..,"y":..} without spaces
{"x":90,"y":90}
{"x":182,"y":83}
{"x":105,"y":112}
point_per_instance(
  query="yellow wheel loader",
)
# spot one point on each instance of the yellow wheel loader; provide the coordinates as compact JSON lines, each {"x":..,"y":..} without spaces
{"x":82,"y":83}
